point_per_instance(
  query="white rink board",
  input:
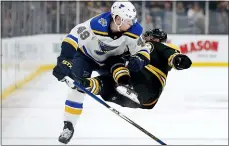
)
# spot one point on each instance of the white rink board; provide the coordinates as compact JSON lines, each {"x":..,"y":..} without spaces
{"x":23,"y":55}
{"x":192,"y":110}
{"x":202,"y":48}
{"x":45,"y":48}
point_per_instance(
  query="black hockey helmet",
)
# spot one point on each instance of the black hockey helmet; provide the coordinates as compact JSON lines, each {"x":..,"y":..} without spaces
{"x":156,"y":33}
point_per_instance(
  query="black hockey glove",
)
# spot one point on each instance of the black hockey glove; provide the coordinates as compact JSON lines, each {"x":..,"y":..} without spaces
{"x":135,"y":63}
{"x":181,"y":61}
{"x":62,"y":69}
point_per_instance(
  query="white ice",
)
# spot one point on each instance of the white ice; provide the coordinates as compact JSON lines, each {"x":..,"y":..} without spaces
{"x":193,"y":109}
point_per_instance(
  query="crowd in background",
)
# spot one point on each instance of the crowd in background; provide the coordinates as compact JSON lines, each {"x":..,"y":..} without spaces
{"x":28,"y":18}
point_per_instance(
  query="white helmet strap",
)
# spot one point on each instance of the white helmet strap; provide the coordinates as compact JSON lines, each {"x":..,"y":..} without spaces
{"x":118,"y":26}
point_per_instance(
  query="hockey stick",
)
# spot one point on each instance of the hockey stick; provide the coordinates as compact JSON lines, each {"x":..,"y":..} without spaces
{"x":119,"y":114}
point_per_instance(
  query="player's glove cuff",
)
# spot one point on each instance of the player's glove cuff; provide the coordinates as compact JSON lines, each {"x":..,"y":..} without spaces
{"x":180,"y":62}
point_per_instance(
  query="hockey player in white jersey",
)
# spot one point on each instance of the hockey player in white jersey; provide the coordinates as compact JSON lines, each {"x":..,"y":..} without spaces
{"x":86,"y":48}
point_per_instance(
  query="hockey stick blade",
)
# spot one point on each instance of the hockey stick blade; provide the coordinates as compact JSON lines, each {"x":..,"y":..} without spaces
{"x":119,"y":114}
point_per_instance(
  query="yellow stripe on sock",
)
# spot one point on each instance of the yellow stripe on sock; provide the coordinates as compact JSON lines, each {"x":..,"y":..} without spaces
{"x":73,"y":111}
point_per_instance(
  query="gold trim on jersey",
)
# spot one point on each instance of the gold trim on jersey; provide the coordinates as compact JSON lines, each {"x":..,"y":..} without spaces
{"x":158,"y":70}
{"x":81,"y":49}
{"x":120,"y":71}
{"x":170,"y":59}
{"x":71,"y":42}
{"x":131,"y":35}
{"x":149,"y":104}
{"x":100,"y":32}
{"x":144,"y":53}
{"x":120,"y":75}
{"x":158,"y":73}
{"x":94,"y":85}
{"x":175,"y":47}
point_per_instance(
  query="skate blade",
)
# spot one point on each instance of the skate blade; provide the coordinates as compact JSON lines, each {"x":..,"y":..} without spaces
{"x":131,"y":95}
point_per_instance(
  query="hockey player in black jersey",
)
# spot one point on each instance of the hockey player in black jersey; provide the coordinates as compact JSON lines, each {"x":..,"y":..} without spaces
{"x":142,"y":89}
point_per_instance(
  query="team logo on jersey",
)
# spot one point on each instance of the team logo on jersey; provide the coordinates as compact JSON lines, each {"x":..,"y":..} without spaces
{"x":103,"y":22}
{"x":104,"y":48}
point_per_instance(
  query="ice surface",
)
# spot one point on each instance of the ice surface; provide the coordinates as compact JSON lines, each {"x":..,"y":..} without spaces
{"x":193,"y":109}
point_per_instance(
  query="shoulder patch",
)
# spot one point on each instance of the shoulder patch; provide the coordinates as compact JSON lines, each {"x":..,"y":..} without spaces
{"x":135,"y":31}
{"x":100,"y":24}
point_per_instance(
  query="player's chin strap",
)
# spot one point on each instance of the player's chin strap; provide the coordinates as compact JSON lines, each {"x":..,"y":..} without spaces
{"x":118,"y":26}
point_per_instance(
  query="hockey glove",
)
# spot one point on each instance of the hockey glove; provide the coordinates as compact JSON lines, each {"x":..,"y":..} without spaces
{"x":135,"y":63}
{"x":141,"y":59}
{"x":181,"y":61}
{"x":81,"y":81}
{"x":62,"y":69}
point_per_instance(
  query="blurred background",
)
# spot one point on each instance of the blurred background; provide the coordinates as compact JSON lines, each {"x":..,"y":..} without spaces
{"x":175,"y":17}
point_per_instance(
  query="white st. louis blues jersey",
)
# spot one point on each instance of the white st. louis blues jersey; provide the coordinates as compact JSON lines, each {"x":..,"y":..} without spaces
{"x":93,"y":39}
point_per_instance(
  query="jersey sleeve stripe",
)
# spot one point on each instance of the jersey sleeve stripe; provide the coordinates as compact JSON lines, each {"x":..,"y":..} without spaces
{"x":71,"y":42}
{"x":158,"y":71}
{"x":143,"y":50}
{"x":73,"y":38}
{"x":144,"y":53}
{"x":171,"y":58}
{"x":131,"y":35}
{"x":94,"y":84}
{"x":120,"y":71}
{"x":156,"y":74}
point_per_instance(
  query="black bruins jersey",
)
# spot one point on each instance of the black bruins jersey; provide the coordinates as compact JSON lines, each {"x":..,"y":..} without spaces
{"x":161,"y":56}
{"x":150,"y":81}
